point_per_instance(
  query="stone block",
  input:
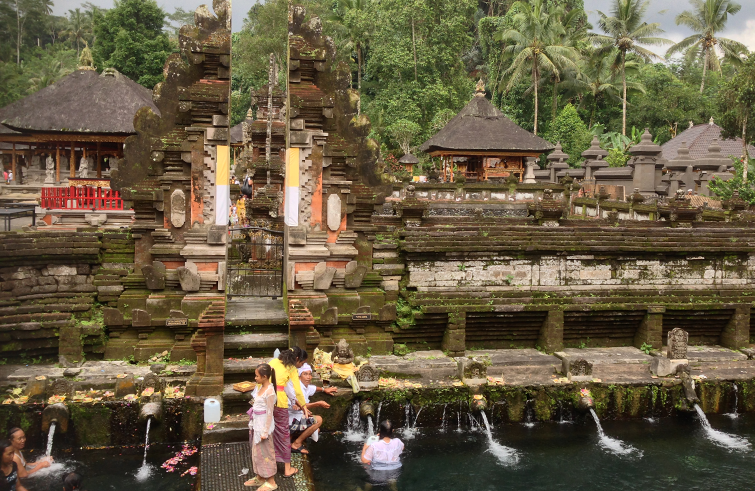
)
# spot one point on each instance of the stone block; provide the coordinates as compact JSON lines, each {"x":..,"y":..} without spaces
{"x":388,"y":312}
{"x":297,"y":235}
{"x":329,"y":317}
{"x":217,"y":234}
{"x":113,"y":317}
{"x":154,"y":275}
{"x":95,"y":219}
{"x":334,"y":212}
{"x":141,"y":318}
{"x":354,"y":279}
{"x":323,"y":276}
{"x":83,"y":269}
{"x":189,"y":280}
{"x":60,"y":270}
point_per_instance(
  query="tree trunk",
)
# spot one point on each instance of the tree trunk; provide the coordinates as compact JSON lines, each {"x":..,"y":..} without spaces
{"x":624,"y":100}
{"x":746,"y":156}
{"x":18,"y":34}
{"x":555,"y":99}
{"x":536,"y":80}
{"x":359,"y":78}
{"x":414,"y":49}
{"x":705,"y":69}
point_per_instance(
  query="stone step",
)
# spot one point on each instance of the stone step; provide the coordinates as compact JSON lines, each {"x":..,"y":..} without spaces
{"x":235,"y":402}
{"x":240,"y":370}
{"x":255,"y":344}
{"x":233,"y":428}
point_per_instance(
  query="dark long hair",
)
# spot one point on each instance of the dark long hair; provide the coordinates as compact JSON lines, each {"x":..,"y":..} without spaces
{"x":72,"y":481}
{"x":267,"y":371}
{"x":3,"y":445}
{"x":385,"y":429}
{"x":290,"y":356}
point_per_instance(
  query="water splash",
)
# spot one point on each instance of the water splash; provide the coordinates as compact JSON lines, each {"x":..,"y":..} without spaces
{"x":377,"y":414}
{"x":719,"y":437}
{"x":506,"y":456}
{"x":529,"y":414}
{"x":410,"y":428}
{"x":354,"y":431}
{"x":370,"y":432}
{"x":458,"y":419}
{"x":734,"y":414}
{"x":561,"y":414}
{"x":443,"y":419}
{"x":613,"y":445}
{"x":50,"y":436}
{"x":145,"y":470}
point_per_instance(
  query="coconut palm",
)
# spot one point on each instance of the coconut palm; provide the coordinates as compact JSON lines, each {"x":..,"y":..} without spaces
{"x":625,"y":30}
{"x":48,"y":74}
{"x":352,"y":16}
{"x":533,"y":46}
{"x":78,"y":28}
{"x":706,"y":19}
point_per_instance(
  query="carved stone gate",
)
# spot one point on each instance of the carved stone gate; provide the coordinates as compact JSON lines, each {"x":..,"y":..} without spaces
{"x":255,"y":263}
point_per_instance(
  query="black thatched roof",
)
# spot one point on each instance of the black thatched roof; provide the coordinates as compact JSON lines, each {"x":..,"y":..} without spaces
{"x":82,"y":102}
{"x":237,"y":132}
{"x":408,"y":159}
{"x":482,"y":127}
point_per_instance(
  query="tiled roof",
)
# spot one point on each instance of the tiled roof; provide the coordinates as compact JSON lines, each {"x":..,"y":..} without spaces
{"x":698,"y":139}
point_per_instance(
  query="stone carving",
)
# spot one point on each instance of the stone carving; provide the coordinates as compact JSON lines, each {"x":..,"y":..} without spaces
{"x":178,"y":208}
{"x":189,"y":280}
{"x":151,"y":381}
{"x":343,"y":353}
{"x":581,"y":368}
{"x":677,"y":344}
{"x":154,"y":275}
{"x":49,"y":170}
{"x":475,"y":370}
{"x":323,"y":276}
{"x":62,"y":387}
{"x":334,"y":212}
{"x":141,"y":318}
{"x":367,"y":373}
{"x":84,"y":167}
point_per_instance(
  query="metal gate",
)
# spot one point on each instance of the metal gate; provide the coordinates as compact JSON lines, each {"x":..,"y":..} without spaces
{"x":255,"y":263}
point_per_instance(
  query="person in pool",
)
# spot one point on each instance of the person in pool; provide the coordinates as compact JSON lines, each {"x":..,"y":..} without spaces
{"x":9,"y":479}
{"x":17,"y":439}
{"x":381,"y":455}
{"x":72,"y":482}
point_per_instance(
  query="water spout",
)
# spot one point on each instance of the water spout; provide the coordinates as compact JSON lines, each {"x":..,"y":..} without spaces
{"x":50,"y":436}
{"x":370,"y":432}
{"x":377,"y":414}
{"x":734,"y":414}
{"x":612,"y":444}
{"x":353,"y":431}
{"x":719,"y":437}
{"x":505,"y":455}
{"x":443,"y":419}
{"x":145,"y":470}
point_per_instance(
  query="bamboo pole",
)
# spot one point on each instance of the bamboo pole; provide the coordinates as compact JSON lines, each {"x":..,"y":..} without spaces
{"x":57,"y":163}
{"x":99,"y":164}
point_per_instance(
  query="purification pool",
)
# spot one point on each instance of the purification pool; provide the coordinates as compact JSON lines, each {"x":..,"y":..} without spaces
{"x":117,"y":469}
{"x":659,"y":454}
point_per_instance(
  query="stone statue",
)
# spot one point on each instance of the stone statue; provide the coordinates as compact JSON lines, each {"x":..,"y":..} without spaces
{"x":677,"y":342}
{"x":343,"y":354}
{"x":84,"y":167}
{"x":49,"y":170}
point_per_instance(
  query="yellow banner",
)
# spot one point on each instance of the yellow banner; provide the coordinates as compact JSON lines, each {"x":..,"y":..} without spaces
{"x":292,"y":168}
{"x":223,"y":165}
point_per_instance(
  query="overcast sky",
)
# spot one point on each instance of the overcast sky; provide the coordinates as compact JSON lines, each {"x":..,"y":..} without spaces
{"x":741,"y":27}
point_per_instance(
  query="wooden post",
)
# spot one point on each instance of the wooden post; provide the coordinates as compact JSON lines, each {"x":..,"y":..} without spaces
{"x":13,"y":163}
{"x":57,"y":163}
{"x":73,"y":160}
{"x":99,"y":164}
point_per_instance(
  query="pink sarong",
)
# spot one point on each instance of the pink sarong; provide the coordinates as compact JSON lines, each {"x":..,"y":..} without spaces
{"x":281,"y":435}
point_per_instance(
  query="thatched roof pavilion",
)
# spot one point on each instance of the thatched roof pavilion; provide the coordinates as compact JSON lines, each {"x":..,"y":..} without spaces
{"x":484,"y":143}
{"x":84,"y":114}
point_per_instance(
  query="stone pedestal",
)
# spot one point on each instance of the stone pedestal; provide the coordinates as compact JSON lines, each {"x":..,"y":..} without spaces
{"x":208,"y":379}
{"x":736,"y":334}
{"x":551,"y":337}
{"x":454,"y":338}
{"x":650,"y":331}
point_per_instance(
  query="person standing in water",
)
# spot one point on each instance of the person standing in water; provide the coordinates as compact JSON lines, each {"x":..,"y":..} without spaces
{"x":262,"y":426}
{"x":17,"y":438}
{"x":286,"y":368}
{"x":72,"y":482}
{"x":9,"y":478}
{"x":382,"y":456}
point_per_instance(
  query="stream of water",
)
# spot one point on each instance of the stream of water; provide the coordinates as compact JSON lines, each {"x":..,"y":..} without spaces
{"x":613,"y":445}
{"x":145,"y":470}
{"x":719,"y":437}
{"x":50,"y":436}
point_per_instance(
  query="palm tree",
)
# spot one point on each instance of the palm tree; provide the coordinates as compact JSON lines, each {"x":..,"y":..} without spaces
{"x":626,"y":30}
{"x":78,"y":27}
{"x":48,"y":75}
{"x":597,"y":80}
{"x":706,"y":19}
{"x":533,"y":46}
{"x":353,"y":17}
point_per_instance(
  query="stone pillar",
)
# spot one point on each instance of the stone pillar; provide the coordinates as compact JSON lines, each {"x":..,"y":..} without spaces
{"x":736,"y":334}
{"x":199,"y":346}
{"x":70,"y":351}
{"x":72,"y":162}
{"x":212,"y":323}
{"x":454,"y":339}
{"x":651,"y":329}
{"x":551,"y":336}
{"x":57,"y":163}
{"x":13,"y":164}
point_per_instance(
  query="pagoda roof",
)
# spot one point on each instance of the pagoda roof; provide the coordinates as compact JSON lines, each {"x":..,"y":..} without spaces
{"x":82,"y":102}
{"x":481,"y":127}
{"x":698,"y":138}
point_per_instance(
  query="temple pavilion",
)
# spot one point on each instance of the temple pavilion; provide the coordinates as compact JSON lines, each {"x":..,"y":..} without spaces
{"x":483,"y":143}
{"x":85,"y":115}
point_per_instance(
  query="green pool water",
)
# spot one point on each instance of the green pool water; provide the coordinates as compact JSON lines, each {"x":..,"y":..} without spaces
{"x":116,"y":469}
{"x":662,"y":454}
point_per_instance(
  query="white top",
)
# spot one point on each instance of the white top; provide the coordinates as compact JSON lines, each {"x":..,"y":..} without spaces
{"x":308,"y":392}
{"x":384,"y":455}
{"x":262,"y":420}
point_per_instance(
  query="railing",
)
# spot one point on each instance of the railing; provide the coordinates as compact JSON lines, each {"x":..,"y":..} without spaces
{"x":80,"y":198}
{"x":255,"y":263}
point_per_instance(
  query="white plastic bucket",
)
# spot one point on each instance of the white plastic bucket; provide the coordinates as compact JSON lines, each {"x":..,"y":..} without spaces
{"x":211,"y":411}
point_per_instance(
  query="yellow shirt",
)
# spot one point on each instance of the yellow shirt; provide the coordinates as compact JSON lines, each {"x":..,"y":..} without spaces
{"x":282,"y":375}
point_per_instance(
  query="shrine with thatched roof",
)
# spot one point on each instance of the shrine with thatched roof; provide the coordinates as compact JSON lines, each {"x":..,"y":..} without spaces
{"x":484,"y":143}
{"x":83,"y":118}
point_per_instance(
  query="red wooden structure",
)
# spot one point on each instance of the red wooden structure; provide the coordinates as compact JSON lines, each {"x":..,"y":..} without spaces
{"x":81,"y":198}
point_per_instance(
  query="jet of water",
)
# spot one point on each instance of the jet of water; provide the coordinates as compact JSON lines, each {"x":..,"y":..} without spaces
{"x":145,"y":470}
{"x":719,"y":437}
{"x":369,"y":426}
{"x":353,"y":431}
{"x":377,"y":414}
{"x":612,"y":444}
{"x":50,"y":435}
{"x":506,"y":456}
{"x":734,"y":414}
{"x":443,"y":419}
